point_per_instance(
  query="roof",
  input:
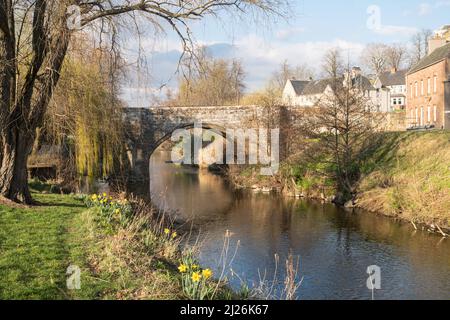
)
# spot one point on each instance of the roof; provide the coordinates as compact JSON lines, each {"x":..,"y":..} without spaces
{"x":363,"y":83}
{"x":433,"y":58}
{"x":298,"y":86}
{"x":317,"y":86}
{"x":388,"y":78}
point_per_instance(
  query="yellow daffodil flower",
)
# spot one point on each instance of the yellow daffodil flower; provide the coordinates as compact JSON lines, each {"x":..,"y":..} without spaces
{"x":207,"y":273}
{"x":174,"y":235}
{"x":166,"y":231}
{"x":182,"y":268}
{"x":196,"y":276}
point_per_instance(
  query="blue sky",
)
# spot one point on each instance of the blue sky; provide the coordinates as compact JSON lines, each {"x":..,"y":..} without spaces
{"x":314,"y":27}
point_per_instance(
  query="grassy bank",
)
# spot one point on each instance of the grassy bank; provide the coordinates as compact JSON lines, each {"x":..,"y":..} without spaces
{"x":406,"y":176}
{"x":122,"y":251}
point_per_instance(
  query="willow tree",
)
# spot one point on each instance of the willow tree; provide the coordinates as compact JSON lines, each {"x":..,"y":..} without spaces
{"x":25,"y":95}
{"x":84,"y":115}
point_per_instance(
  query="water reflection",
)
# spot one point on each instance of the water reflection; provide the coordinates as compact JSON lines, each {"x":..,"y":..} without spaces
{"x":335,"y":247}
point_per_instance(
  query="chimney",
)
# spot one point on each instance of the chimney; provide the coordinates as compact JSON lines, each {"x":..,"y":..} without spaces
{"x":440,"y":38}
{"x":393,"y":70}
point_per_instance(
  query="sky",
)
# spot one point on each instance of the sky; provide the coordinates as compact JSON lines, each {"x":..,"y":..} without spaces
{"x":313,"y":27}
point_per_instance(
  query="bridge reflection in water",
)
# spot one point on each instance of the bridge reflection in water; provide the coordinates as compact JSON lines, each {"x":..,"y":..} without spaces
{"x":335,"y":247}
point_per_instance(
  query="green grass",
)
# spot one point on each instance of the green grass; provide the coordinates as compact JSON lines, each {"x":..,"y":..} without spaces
{"x":36,"y":247}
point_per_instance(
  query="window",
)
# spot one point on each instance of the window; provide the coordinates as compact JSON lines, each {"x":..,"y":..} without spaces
{"x":421,"y":88}
{"x":429,"y":114}
{"x":435,"y":114}
{"x":411,"y":90}
{"x":394,"y":101}
{"x":417,"y":115}
{"x":435,"y":84}
{"x":421,"y":116}
{"x":416,"y":85}
{"x":429,"y":86}
{"x":412,"y":114}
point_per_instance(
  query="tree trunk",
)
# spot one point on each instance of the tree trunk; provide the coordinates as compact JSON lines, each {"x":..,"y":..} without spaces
{"x":13,"y":170}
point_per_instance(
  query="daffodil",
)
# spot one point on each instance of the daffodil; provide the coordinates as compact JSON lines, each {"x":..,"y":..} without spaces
{"x":117,"y":211}
{"x":196,"y":276}
{"x":182,"y":268}
{"x":174,"y":235}
{"x":166,"y":231}
{"x":207,"y":273}
{"x":104,"y":194}
{"x":195,"y":267}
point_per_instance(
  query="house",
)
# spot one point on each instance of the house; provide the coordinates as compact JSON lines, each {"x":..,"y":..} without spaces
{"x":391,"y":88}
{"x":428,"y":92}
{"x":306,"y":93}
{"x":300,"y":93}
{"x":293,"y":93}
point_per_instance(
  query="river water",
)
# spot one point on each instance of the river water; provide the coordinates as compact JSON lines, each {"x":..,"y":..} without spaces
{"x":334,"y":247}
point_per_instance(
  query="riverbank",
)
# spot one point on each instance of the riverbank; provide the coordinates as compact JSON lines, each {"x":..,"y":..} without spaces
{"x":123,"y":251}
{"x":406,"y":176}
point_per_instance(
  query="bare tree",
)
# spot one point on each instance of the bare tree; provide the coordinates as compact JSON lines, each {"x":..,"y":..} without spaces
{"x":343,"y":122}
{"x":237,"y":74}
{"x":286,"y":72}
{"x":419,"y":43}
{"x":374,"y":57}
{"x":34,"y":38}
{"x":333,"y":65}
{"x":395,"y":56}
{"x":215,"y":82}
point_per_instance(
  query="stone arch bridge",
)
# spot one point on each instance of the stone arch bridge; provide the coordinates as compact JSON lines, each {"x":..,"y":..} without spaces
{"x":147,"y":128}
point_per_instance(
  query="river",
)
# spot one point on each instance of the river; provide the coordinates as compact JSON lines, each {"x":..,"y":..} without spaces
{"x":334,"y":247}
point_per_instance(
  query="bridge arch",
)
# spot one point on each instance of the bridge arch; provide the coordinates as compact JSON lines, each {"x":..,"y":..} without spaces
{"x":205,"y":126}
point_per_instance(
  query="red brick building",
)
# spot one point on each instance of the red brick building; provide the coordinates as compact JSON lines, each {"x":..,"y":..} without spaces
{"x":428,"y":90}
